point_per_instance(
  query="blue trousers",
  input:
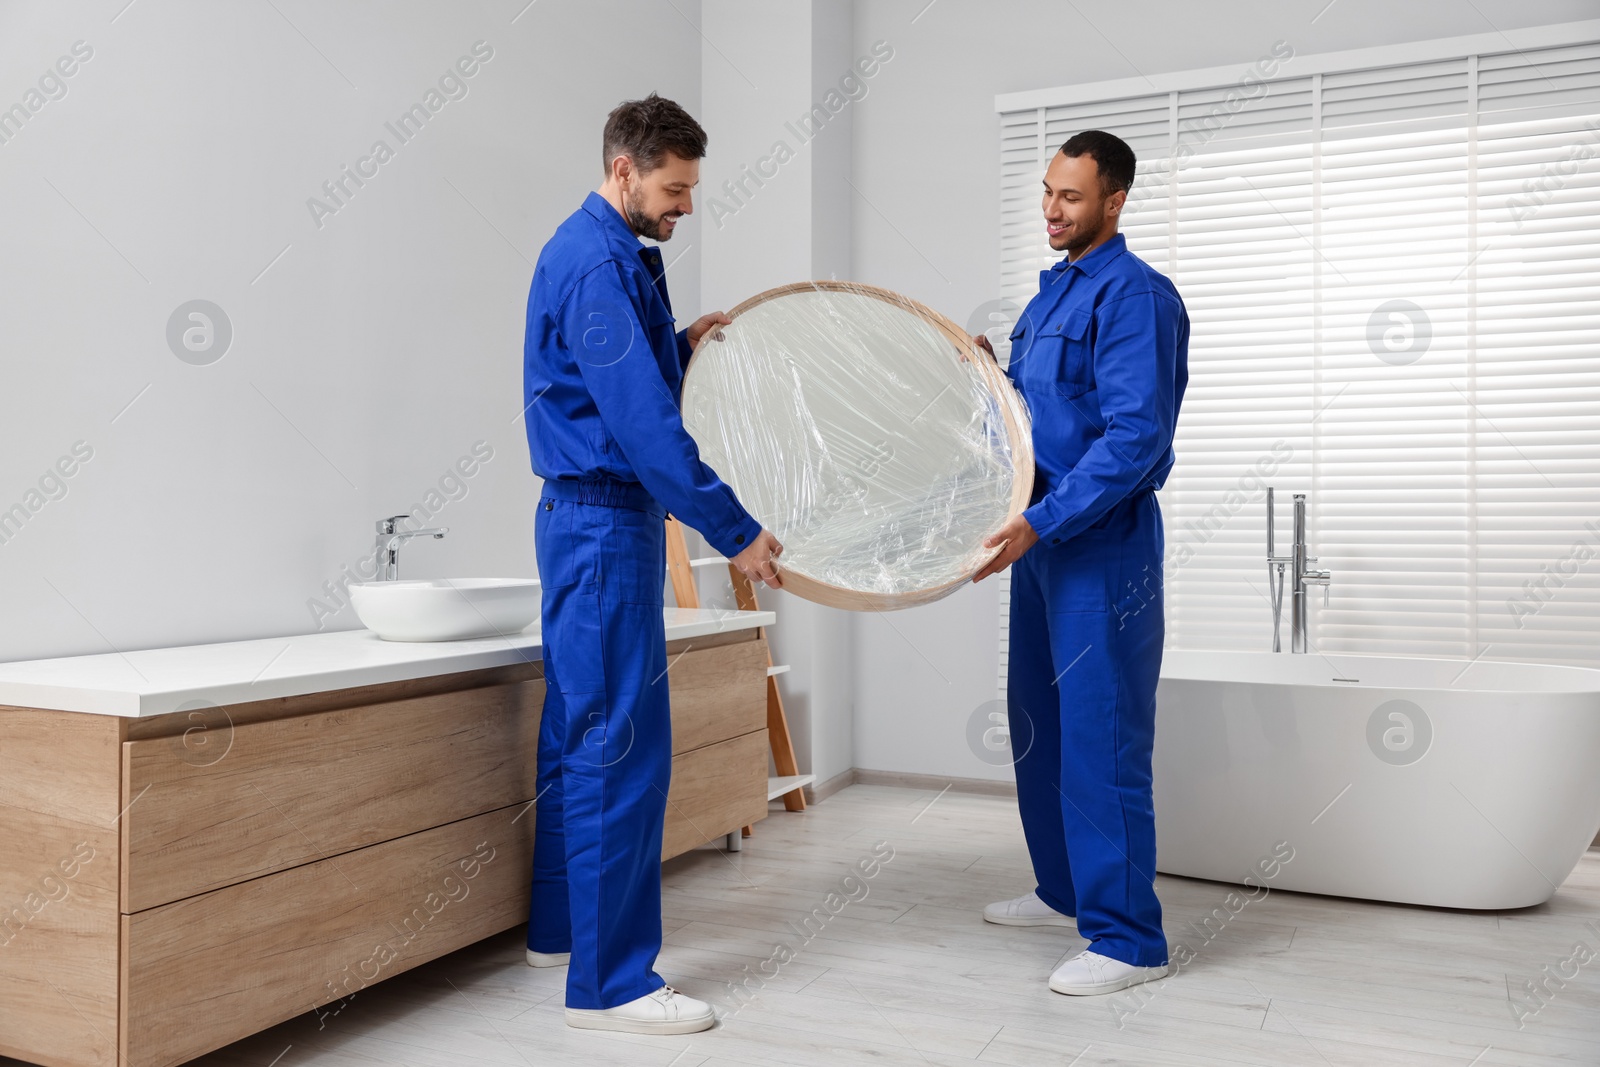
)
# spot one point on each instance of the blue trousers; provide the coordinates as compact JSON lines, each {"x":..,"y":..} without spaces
{"x":605,"y":746}
{"x":1086,"y":635}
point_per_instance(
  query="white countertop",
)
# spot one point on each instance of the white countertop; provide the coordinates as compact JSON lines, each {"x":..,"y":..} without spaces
{"x":161,"y":680}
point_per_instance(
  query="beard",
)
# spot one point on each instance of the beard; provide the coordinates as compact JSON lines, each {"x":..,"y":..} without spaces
{"x":643,"y":224}
{"x":1083,"y":233}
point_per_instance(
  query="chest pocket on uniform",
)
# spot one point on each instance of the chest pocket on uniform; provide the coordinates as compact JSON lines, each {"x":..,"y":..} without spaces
{"x":656,"y":314}
{"x":1064,"y":349}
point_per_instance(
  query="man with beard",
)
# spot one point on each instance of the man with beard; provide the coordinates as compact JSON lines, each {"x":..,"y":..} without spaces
{"x":603,"y":369}
{"x":1101,"y":356}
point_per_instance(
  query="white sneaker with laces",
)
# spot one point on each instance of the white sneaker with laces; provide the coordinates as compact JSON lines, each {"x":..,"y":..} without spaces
{"x":1026,"y":911}
{"x":548,"y":959}
{"x":666,"y":1011}
{"x":1089,"y":973}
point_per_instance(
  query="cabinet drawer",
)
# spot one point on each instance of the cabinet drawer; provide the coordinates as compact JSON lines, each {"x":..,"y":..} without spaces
{"x":268,"y":796}
{"x":203,"y":972}
{"x":718,"y":693}
{"x":715,"y":790}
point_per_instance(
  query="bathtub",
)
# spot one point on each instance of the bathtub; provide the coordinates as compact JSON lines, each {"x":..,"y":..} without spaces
{"x":1421,"y":781}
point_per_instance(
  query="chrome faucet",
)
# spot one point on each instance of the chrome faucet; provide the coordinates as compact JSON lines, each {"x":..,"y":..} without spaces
{"x":390,"y":538}
{"x":1301,"y":577}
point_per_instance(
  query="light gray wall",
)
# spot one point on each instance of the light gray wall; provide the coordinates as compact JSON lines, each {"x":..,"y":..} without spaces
{"x":926,"y":162}
{"x":775,"y":210}
{"x":368,"y":354}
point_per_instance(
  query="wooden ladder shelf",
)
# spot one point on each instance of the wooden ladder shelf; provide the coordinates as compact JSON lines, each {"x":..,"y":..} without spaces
{"x":789,"y":782}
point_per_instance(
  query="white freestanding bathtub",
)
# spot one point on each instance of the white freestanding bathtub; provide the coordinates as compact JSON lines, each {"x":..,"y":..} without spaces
{"x":1423,"y":781}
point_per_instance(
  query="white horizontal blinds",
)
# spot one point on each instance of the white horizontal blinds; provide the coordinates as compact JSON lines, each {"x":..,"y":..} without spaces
{"x":1245,"y":263}
{"x":1394,"y":279}
{"x":1537,"y":403}
{"x":1391,"y":490}
{"x":1023,"y":248}
{"x":1021,"y":168}
{"x":1539,"y":84}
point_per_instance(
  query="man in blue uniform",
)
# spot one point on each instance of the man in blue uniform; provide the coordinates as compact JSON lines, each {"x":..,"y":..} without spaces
{"x":1101,"y":356}
{"x":603,"y":369}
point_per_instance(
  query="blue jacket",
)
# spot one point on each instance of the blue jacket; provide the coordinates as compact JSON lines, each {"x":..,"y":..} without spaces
{"x":1102,"y":357}
{"x":603,"y":375}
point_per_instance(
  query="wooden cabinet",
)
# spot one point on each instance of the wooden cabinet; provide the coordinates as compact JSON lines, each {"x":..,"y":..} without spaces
{"x":719,"y":744}
{"x":288,"y":791}
{"x":160,"y":898}
{"x":724,"y":785}
{"x":199,"y":973}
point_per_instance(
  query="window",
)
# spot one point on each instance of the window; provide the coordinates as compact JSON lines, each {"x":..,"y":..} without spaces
{"x":1393,"y":275}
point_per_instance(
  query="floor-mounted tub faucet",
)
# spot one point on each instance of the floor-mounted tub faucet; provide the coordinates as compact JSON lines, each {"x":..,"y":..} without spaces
{"x":390,"y":538}
{"x":1301,"y":577}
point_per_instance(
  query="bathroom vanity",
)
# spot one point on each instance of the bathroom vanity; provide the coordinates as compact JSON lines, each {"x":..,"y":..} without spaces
{"x":199,"y":843}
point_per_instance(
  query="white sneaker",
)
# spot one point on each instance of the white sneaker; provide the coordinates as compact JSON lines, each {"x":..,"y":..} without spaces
{"x":1026,"y":911}
{"x":1089,"y":973}
{"x":666,"y":1011}
{"x":548,"y":959}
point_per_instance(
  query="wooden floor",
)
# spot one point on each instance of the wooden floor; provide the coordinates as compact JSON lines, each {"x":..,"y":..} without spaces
{"x":907,"y":973}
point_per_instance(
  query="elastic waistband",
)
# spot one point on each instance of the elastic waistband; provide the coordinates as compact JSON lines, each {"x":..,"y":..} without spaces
{"x":606,"y":493}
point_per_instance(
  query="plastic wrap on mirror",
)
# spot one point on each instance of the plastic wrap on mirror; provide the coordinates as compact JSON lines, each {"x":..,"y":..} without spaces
{"x":866,"y":432}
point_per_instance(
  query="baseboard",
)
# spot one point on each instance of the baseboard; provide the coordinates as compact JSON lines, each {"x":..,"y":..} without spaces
{"x":982,"y":786}
{"x":816,"y":794}
{"x":823,"y":790}
{"x":903,"y":779}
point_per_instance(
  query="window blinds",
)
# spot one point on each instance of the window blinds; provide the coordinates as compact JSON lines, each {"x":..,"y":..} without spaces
{"x":1393,"y":276}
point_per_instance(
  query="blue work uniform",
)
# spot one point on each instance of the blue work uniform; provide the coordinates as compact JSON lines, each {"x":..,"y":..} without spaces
{"x":1101,"y":357}
{"x":603,"y":370}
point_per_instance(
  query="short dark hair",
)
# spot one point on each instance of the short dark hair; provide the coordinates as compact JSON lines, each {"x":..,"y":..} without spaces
{"x":646,"y":130}
{"x":1111,"y":155}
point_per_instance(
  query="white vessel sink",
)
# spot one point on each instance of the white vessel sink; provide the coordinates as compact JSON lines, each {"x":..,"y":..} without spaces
{"x":446,"y":609}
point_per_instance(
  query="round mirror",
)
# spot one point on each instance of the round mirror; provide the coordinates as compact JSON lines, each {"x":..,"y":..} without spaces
{"x":851,"y":422}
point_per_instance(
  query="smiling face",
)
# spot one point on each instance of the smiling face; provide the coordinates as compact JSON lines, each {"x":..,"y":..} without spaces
{"x":1078,"y":214}
{"x":655,"y":200}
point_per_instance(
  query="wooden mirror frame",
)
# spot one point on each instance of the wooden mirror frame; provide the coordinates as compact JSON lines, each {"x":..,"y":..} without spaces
{"x":1018,"y":434}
